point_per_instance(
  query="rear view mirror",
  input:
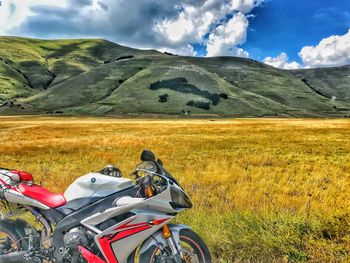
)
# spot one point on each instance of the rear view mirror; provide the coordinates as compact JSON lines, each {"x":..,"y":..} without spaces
{"x":147,"y":155}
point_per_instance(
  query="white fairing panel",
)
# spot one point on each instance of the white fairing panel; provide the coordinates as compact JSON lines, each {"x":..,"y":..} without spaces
{"x":8,"y":177}
{"x":14,"y":196}
{"x":95,"y":185}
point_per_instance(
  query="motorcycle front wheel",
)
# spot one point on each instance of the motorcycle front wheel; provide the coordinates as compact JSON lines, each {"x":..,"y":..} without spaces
{"x":194,"y":250}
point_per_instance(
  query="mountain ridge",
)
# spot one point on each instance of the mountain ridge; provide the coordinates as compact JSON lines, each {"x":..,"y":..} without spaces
{"x":99,"y":77}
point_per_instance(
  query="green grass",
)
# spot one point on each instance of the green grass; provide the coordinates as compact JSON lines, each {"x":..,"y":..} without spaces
{"x":81,"y":76}
{"x":282,"y":236}
{"x":264,"y":190}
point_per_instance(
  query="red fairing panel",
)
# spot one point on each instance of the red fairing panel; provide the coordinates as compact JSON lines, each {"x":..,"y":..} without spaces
{"x":90,"y":257}
{"x":42,"y":195}
{"x":107,"y":241}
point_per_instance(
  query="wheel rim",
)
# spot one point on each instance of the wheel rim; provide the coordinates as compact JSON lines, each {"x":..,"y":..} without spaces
{"x":159,"y":256}
{"x":7,"y":244}
{"x":191,"y":251}
{"x":188,"y":253}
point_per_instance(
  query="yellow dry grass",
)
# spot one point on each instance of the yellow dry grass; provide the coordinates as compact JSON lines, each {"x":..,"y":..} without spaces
{"x":267,"y":171}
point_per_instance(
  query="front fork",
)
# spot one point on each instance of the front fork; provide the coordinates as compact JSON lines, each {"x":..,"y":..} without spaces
{"x":167,"y":234}
{"x":174,"y":247}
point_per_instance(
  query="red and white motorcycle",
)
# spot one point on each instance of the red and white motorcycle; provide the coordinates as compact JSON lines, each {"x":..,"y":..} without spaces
{"x":100,"y":218}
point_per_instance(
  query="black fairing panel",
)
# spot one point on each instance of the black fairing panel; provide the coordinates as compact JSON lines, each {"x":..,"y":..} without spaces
{"x":52,"y":215}
{"x":73,"y":219}
{"x":55,"y":215}
{"x":76,"y":204}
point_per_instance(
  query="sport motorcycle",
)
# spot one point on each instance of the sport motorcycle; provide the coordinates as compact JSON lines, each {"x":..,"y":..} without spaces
{"x":102,"y":217}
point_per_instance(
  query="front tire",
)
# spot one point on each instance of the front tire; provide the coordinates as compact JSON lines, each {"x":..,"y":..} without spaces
{"x":194,"y":250}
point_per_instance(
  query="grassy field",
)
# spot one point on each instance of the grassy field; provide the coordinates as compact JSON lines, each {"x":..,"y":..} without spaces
{"x":265,"y":190}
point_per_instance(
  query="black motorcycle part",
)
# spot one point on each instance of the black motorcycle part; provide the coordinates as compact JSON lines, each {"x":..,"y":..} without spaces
{"x":15,"y":257}
{"x":15,"y":228}
{"x":52,"y":215}
{"x":111,"y":170}
{"x":148,"y":155}
{"x":76,"y":204}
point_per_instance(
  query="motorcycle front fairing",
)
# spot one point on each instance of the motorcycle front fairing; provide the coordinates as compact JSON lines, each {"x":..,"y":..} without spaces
{"x":141,"y":219}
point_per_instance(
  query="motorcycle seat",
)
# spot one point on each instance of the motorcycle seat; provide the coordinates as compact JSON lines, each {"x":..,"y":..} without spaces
{"x":42,"y":195}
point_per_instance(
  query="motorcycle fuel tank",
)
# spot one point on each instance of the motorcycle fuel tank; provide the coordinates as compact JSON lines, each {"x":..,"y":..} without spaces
{"x":95,"y":185}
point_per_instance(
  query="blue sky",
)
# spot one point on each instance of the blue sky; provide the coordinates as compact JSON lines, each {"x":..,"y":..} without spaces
{"x":289,"y":25}
{"x":282,"y":33}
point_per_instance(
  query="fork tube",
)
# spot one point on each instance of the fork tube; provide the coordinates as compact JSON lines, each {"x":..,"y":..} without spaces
{"x":149,"y":191}
{"x":166,"y":231}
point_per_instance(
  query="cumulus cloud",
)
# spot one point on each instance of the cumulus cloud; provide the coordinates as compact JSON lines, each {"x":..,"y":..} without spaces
{"x":224,"y":39}
{"x":170,"y":25}
{"x":331,"y":51}
{"x":281,"y":61}
{"x":15,"y":12}
{"x":126,"y":22}
{"x":245,"y":6}
{"x":182,"y":51}
{"x":221,"y":25}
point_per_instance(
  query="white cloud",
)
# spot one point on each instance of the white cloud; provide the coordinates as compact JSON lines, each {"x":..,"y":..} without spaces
{"x":178,"y":29}
{"x":224,"y":39}
{"x":191,"y":24}
{"x":245,"y":6}
{"x":14,"y":12}
{"x":331,"y":51}
{"x":182,"y":51}
{"x":170,"y":25}
{"x":209,"y":19}
{"x":281,"y":61}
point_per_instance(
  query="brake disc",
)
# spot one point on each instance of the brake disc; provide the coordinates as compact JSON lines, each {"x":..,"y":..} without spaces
{"x":188,"y":256}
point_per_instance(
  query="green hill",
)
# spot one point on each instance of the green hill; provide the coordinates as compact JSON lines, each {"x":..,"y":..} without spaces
{"x":98,"y":77}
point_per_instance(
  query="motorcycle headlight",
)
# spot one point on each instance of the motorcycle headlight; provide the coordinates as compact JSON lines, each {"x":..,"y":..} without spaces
{"x":179,"y":199}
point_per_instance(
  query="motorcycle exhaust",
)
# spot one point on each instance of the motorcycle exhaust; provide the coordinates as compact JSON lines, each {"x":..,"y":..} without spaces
{"x":15,"y":257}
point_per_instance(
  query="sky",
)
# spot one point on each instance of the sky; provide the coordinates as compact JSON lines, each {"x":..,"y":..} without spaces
{"x":283,"y":33}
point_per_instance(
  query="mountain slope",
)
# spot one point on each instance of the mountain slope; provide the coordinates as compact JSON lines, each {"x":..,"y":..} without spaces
{"x":95,"y":76}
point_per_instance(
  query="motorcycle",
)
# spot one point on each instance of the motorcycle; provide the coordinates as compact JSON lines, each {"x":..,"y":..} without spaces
{"x":101,"y":217}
